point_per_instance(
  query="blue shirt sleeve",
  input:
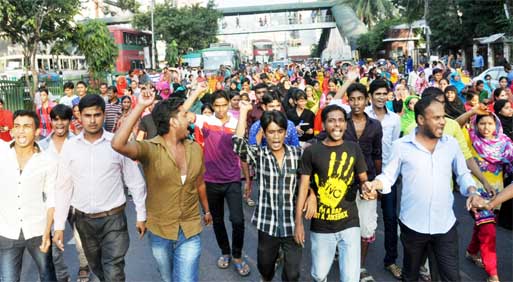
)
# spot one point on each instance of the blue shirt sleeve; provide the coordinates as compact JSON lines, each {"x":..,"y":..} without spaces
{"x":292,"y":139}
{"x":253,"y":132}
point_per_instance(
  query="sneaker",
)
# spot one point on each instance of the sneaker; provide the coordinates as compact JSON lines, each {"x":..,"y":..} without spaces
{"x":395,"y":270}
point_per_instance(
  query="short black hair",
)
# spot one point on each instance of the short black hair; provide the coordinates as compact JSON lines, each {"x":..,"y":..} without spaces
{"x":27,"y":113}
{"x":91,"y":101}
{"x":2,"y":101}
{"x":82,"y":82}
{"x":68,"y":85}
{"x":163,"y":111}
{"x":497,"y":92}
{"x":331,"y":108}
{"x":479,"y":82}
{"x":300,"y":94}
{"x":499,"y":104}
{"x":207,"y":106}
{"x":260,"y":86}
{"x":377,"y":84}
{"x":432,"y":91}
{"x":269,"y":97}
{"x":104,"y":83}
{"x":450,"y":88}
{"x":437,"y":70}
{"x":503,"y":77}
{"x":233,"y":94}
{"x":219,"y":94}
{"x":114,"y":89}
{"x":273,"y":116}
{"x":43,"y":89}
{"x":470,"y":95}
{"x":61,"y":111}
{"x":357,"y":87}
{"x":423,"y":104}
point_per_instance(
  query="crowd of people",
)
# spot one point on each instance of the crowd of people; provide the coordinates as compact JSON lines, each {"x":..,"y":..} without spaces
{"x":318,"y":143}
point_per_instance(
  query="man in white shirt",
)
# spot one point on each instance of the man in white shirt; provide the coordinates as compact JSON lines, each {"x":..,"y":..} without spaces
{"x":426,"y":159}
{"x":27,"y":201}
{"x":52,"y":145}
{"x":391,"y":125}
{"x":91,"y":178}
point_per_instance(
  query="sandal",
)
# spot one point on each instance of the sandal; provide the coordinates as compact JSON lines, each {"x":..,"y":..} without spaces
{"x":476,"y":259}
{"x":83,"y":274}
{"x":424,"y":274}
{"x":365,"y":276}
{"x":250,"y":202}
{"x":242,"y":268}
{"x":223,"y":262}
{"x":491,"y":279}
{"x":395,"y":270}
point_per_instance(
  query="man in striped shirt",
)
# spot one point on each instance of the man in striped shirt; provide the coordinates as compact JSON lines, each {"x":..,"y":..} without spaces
{"x":112,"y":109}
{"x":276,"y":170}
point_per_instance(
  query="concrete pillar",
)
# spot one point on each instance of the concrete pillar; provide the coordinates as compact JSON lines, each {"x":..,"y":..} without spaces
{"x":491,"y":56}
{"x":474,"y":50}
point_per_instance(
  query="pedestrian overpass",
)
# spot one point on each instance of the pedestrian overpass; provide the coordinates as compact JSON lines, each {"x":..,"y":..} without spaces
{"x":326,"y":14}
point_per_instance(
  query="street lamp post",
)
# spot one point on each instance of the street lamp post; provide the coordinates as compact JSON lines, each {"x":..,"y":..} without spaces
{"x":153,"y":66}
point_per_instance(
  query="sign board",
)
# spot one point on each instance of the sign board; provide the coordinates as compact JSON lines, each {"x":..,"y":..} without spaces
{"x":161,"y":50}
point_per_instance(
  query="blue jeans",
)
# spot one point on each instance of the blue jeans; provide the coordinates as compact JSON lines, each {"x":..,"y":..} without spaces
{"x":11,"y":259}
{"x":177,"y":260}
{"x":323,"y":252}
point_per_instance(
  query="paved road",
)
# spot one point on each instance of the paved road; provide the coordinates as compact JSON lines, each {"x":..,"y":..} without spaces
{"x":140,"y":265}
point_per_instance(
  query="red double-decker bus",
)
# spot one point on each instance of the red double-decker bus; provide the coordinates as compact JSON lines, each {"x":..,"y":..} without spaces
{"x":131,"y":44}
{"x":262,"y":50}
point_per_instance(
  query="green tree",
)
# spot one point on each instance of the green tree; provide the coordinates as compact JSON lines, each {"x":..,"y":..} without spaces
{"x":31,"y":23}
{"x":191,"y":27}
{"x":370,"y":43}
{"x":446,"y":29}
{"x":372,"y":11}
{"x":96,"y":44}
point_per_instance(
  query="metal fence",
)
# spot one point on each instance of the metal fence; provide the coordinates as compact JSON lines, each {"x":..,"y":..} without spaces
{"x":16,"y":94}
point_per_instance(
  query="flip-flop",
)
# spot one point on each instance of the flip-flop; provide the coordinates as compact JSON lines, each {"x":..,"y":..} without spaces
{"x":223,"y":262}
{"x":242,"y":268}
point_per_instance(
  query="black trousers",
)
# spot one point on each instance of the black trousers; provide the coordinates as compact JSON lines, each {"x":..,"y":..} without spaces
{"x":443,"y":246}
{"x":268,"y":250}
{"x":105,"y":241}
{"x":216,"y":194}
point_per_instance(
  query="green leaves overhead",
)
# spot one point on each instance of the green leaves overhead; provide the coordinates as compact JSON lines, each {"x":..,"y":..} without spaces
{"x":95,"y":42}
{"x":193,"y":26}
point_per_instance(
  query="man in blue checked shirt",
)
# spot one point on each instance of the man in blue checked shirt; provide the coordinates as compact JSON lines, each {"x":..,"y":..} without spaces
{"x":270,"y":102}
{"x":276,"y":171}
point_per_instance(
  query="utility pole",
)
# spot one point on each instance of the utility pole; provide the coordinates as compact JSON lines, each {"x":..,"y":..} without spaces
{"x":153,"y":66}
{"x":428,"y":30}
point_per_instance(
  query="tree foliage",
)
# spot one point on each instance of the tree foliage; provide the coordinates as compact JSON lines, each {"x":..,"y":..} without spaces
{"x":97,"y":45}
{"x":370,"y":43}
{"x":372,"y":11}
{"x":191,"y":26}
{"x":454,"y":23}
{"x":30,"y":23}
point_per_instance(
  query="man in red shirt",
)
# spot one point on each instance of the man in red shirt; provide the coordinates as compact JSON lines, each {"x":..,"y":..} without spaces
{"x":5,"y":122}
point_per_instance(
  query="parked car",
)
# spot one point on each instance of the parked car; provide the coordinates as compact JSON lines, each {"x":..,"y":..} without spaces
{"x":494,"y":72}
